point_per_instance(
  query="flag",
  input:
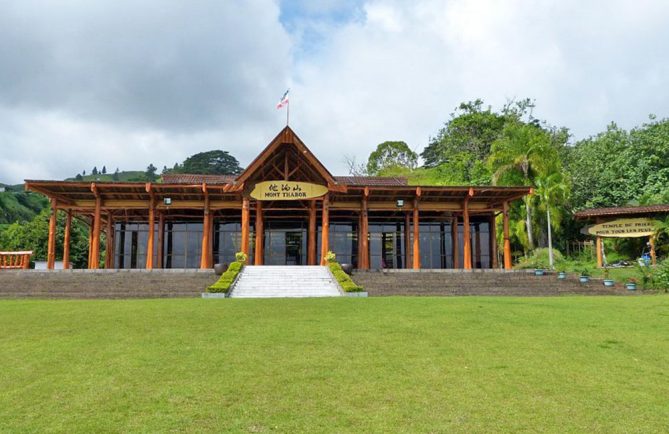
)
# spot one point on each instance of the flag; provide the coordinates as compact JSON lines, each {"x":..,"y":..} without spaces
{"x":283,"y":101}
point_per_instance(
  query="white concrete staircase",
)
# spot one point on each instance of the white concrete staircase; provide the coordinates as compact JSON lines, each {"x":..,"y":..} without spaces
{"x":267,"y":281}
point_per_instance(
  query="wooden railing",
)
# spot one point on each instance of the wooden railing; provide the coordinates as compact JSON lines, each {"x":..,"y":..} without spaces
{"x":15,"y":260}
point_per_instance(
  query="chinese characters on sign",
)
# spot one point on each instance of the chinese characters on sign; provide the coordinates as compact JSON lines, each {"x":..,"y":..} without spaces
{"x":287,"y":190}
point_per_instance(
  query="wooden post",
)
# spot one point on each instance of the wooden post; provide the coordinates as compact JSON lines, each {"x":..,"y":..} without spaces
{"x":90,"y":244}
{"x":66,"y":240}
{"x":456,"y":242}
{"x":598,"y":247}
{"x":653,"y":258}
{"x":260,"y":230}
{"x":363,"y":253}
{"x":97,"y":219}
{"x":507,"y":240}
{"x":492,"y":233}
{"x":467,"y":238}
{"x":416,"y":236}
{"x":51,"y":245}
{"x":151,"y":228}
{"x":325,"y":229}
{"x":407,"y":240}
{"x":161,"y":239}
{"x":109,"y":246}
{"x":204,"y":255}
{"x":311,"y":248}
{"x":245,"y":225}
{"x":210,"y":241}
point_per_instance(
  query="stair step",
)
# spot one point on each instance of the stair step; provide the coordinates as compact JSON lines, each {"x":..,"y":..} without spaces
{"x":270,"y":281}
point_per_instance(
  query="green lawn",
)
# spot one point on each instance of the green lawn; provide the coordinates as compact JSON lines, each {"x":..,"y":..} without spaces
{"x":563,"y":364}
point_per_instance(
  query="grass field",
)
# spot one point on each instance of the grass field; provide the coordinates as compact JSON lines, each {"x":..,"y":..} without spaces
{"x":563,"y":364}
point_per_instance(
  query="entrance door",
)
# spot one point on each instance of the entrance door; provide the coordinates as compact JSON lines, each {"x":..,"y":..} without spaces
{"x":285,"y":244}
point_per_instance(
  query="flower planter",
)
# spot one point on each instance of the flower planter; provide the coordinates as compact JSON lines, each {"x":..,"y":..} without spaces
{"x":609,"y":282}
{"x":348,"y":268}
{"x":584,"y":279}
{"x":539,"y":272}
{"x":561,"y":275}
{"x":214,"y":295}
{"x":356,"y":294}
{"x":630,"y":286}
{"x":220,"y":269}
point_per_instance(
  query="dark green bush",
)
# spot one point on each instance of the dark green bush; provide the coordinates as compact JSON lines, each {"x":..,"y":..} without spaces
{"x":225,"y":281}
{"x":344,"y":279}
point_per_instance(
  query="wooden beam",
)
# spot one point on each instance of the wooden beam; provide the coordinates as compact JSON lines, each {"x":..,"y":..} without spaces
{"x":51,"y":244}
{"x":363,"y":254}
{"x":245,"y":225}
{"x":416,"y":235}
{"x":151,"y":229}
{"x":66,"y":240}
{"x":507,"y":241}
{"x":97,"y":221}
{"x":260,"y":230}
{"x":325,"y":229}
{"x":311,"y":240}
{"x":467,"y":238}
{"x":204,"y":255}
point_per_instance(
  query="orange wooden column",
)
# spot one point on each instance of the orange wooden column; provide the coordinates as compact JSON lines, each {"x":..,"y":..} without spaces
{"x":311,"y":241}
{"x":467,"y":238}
{"x":151,"y":227}
{"x":416,"y":232}
{"x":507,"y":240}
{"x":90,"y":243}
{"x":161,"y":239}
{"x":598,"y":248}
{"x":363,"y":252}
{"x":492,"y":232}
{"x":456,"y":242}
{"x":325,"y":229}
{"x":245,"y":225}
{"x":109,"y":247}
{"x":204,"y":255}
{"x":210,"y":241}
{"x":260,"y":230}
{"x":97,"y":222}
{"x":66,"y":239}
{"x":653,"y":256}
{"x":51,"y":245}
{"x":407,"y":240}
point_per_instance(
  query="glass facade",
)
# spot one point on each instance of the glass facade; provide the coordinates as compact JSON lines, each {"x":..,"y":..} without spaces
{"x":130,"y":245}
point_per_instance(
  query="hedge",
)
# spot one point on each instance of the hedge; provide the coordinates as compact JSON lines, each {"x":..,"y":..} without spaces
{"x":224,"y":283}
{"x":344,"y":279}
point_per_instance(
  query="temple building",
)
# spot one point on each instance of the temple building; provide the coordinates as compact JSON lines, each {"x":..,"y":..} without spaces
{"x":285,"y":208}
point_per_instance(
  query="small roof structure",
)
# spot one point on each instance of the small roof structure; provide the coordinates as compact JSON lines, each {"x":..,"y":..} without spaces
{"x":622,"y":211}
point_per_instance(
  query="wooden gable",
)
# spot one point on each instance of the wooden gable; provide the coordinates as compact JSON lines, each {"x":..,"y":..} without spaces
{"x":286,"y":158}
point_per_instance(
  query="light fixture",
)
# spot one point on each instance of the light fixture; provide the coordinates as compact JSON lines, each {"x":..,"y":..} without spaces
{"x":167,"y":201}
{"x":400,"y":203}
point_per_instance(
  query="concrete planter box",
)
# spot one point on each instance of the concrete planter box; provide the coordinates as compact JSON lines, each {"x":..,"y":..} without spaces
{"x":214,"y":295}
{"x":356,"y":294}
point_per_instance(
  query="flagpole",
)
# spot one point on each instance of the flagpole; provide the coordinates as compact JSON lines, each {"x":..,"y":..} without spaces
{"x":287,"y":112}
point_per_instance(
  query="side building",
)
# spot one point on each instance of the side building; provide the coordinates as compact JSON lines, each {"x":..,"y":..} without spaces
{"x":286,"y":208}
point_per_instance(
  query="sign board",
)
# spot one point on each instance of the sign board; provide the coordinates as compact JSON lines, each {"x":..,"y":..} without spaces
{"x":287,"y":190}
{"x":623,"y":228}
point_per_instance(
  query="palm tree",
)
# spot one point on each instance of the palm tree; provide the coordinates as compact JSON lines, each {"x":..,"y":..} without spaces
{"x":552,"y":191}
{"x":518,"y":155}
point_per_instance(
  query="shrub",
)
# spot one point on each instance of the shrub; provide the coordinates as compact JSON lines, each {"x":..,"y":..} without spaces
{"x":539,"y":259}
{"x":241,"y":257}
{"x":345,"y":281}
{"x":330,"y":257}
{"x":224,"y":283}
{"x":661,"y":280}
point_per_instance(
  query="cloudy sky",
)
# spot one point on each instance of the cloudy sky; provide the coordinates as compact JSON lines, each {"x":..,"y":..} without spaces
{"x":124,"y":83}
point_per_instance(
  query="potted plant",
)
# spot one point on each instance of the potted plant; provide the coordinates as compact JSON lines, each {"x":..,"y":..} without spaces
{"x":220,"y":269}
{"x":540,"y":268}
{"x":585,"y":275}
{"x":607,"y":280}
{"x":561,"y":274}
{"x":631,"y":284}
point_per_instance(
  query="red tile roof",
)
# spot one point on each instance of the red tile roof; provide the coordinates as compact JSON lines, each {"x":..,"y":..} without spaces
{"x":185,"y":178}
{"x":622,"y":211}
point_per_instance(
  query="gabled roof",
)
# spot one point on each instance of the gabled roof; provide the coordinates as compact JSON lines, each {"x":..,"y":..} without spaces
{"x":286,"y":136}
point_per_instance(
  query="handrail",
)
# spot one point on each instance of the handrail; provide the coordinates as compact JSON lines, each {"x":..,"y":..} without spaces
{"x":15,"y":260}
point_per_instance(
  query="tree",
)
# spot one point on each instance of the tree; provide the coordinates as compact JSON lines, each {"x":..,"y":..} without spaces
{"x":209,"y":163}
{"x":391,"y":155}
{"x":518,"y":156}
{"x":150,"y":173}
{"x":83,"y":173}
{"x":104,"y":170}
{"x":553,"y":192}
{"x":115,"y":176}
{"x":95,"y":170}
{"x":79,"y":177}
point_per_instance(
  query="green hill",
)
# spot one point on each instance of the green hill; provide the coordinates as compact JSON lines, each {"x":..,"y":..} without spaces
{"x":19,"y":205}
{"x":125,"y":176}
